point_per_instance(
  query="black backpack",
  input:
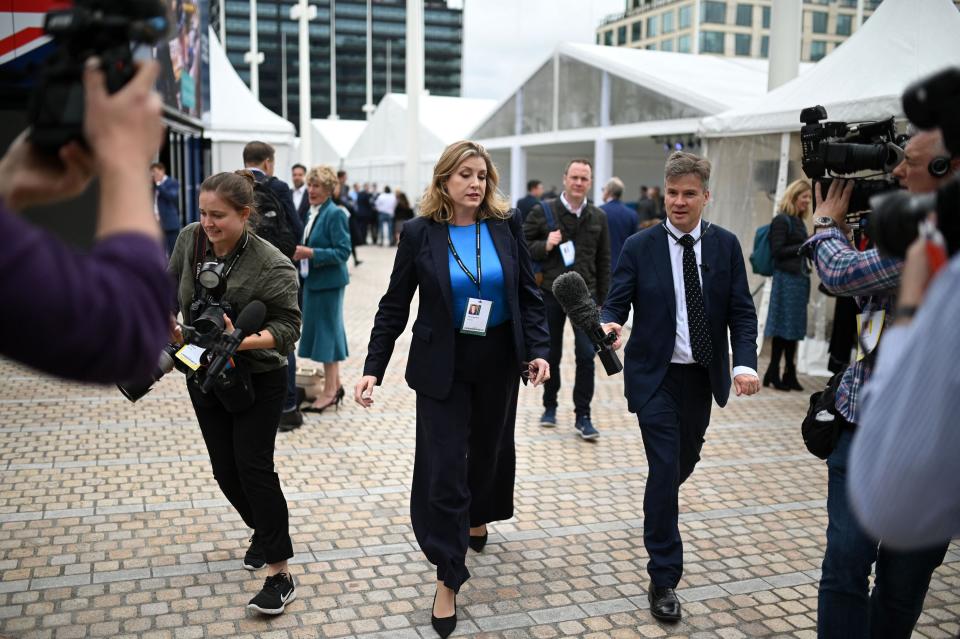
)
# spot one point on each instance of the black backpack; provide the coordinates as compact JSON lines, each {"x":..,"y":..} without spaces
{"x":272,"y":225}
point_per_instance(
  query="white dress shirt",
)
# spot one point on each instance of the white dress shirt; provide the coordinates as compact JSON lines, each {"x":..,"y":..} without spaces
{"x":298,"y":196}
{"x":682,"y":349}
{"x":576,"y":211}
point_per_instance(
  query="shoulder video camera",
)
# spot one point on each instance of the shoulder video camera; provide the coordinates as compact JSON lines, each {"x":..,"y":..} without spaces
{"x":840,"y":148}
{"x":108,"y":29}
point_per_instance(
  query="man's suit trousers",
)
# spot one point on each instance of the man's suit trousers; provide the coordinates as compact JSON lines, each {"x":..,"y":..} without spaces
{"x":673,"y":423}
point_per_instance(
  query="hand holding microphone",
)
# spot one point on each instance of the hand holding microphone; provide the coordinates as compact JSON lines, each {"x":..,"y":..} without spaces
{"x":572,"y":294}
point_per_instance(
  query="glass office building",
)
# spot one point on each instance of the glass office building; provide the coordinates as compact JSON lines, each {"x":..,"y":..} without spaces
{"x":277,"y":33}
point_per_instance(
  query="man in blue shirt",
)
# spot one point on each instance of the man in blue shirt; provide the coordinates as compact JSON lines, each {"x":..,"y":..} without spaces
{"x":621,"y":219}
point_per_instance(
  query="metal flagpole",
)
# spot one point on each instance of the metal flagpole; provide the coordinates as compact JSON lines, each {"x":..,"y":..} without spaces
{"x":283,"y":74}
{"x":389,"y":68}
{"x":368,"y":108}
{"x":253,"y":57}
{"x":333,"y":59}
{"x":414,"y":88}
{"x":304,"y":13}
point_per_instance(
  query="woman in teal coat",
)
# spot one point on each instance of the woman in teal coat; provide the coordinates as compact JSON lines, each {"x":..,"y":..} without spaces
{"x":323,"y":264}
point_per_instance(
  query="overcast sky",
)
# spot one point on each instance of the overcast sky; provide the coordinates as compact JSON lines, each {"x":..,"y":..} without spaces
{"x":506,"y":40}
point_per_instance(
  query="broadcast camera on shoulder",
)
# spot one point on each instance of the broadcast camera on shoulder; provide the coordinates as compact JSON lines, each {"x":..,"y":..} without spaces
{"x":833,"y":149}
{"x":108,"y":29}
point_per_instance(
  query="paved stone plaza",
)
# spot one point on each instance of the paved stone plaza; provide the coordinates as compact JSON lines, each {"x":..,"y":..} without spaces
{"x":111,"y":523}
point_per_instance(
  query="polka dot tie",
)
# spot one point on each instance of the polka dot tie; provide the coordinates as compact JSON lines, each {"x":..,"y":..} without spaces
{"x":696,"y":315}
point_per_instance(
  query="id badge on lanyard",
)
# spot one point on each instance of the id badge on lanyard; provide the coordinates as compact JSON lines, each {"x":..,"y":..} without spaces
{"x":477,"y":314}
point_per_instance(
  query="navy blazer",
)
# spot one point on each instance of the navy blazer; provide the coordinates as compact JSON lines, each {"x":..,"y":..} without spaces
{"x":622,"y":221}
{"x":644,"y":278}
{"x":422,"y":262}
{"x":168,"y":204}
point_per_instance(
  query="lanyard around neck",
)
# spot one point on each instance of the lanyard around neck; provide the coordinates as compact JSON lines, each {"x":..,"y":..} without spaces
{"x":703,"y":229}
{"x":476,"y":280}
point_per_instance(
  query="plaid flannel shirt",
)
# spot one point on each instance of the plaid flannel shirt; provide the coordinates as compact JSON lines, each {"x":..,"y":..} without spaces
{"x":871,"y":280}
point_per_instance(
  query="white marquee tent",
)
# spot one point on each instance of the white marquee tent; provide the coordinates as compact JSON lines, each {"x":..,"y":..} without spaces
{"x":379,"y":153}
{"x":755,"y":148}
{"x":333,"y":139}
{"x":612,"y":105}
{"x":237,"y":117}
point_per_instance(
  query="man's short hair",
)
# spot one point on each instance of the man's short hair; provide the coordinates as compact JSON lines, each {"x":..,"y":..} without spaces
{"x":614,"y":187}
{"x":578,"y":161}
{"x":681,"y":163}
{"x":298,"y":166}
{"x":532,"y":184}
{"x":341,"y":174}
{"x":159,"y":165}
{"x":256,"y":153}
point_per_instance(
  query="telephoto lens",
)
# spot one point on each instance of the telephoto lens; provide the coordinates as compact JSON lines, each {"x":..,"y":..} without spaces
{"x":134,"y":390}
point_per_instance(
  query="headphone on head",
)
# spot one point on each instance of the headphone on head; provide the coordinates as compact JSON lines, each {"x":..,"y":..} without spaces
{"x":939,"y":166}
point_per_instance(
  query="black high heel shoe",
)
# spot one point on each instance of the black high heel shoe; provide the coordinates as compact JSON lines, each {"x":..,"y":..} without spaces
{"x":444,"y":625}
{"x":477,"y":542}
{"x":335,"y":402}
{"x":790,"y":381}
{"x":772,"y":378}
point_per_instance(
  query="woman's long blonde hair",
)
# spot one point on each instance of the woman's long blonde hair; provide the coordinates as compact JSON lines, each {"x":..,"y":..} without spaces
{"x":788,"y":203}
{"x":437,"y":203}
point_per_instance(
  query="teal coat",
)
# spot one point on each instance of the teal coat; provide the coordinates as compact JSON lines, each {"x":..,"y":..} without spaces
{"x":330,"y":240}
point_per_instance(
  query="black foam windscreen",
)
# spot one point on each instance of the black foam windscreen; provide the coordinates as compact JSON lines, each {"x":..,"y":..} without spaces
{"x":572,"y":294}
{"x":251,"y":317}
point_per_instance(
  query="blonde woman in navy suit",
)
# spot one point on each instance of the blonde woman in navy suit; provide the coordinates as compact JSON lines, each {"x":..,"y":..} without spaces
{"x":323,"y":263}
{"x":480,"y":327}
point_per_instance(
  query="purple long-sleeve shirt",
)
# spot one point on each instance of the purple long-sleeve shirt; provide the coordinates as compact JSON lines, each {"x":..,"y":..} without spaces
{"x":102,"y":316}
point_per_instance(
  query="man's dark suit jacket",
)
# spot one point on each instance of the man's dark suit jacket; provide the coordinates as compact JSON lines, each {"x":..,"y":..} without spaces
{"x":422,"y":262}
{"x":622,"y":222}
{"x":524,"y":205}
{"x":168,"y":204}
{"x":304,"y":211}
{"x":644,"y":278}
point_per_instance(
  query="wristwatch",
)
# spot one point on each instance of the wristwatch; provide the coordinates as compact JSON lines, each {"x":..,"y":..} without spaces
{"x":823,"y":222}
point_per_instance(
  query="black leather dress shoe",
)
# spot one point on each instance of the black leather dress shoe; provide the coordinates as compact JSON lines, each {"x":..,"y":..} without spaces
{"x":664,"y":604}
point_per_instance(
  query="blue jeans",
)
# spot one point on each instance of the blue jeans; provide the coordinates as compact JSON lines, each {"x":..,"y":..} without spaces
{"x":386,"y":229}
{"x":845,"y":608}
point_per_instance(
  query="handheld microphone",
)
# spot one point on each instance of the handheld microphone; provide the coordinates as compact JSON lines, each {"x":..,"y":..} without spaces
{"x":249,"y":321}
{"x":572,"y":294}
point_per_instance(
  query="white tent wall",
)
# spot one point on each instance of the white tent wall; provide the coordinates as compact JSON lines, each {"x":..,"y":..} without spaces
{"x":237,"y":117}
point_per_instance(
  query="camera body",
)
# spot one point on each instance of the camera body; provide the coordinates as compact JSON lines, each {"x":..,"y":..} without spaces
{"x":108,"y":29}
{"x":841,"y":148}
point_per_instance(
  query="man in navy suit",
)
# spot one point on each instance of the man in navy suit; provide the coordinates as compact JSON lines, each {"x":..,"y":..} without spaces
{"x":621,"y":219}
{"x":166,"y":204}
{"x":687,"y":283}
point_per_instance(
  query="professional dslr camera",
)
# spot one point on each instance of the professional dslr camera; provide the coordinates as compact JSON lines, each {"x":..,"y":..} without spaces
{"x":207,"y":333}
{"x":841,"y":148}
{"x":109,"y":29}
{"x":930,"y":103}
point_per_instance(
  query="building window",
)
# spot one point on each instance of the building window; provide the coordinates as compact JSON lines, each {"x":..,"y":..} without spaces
{"x":622,"y":35}
{"x":850,"y":4}
{"x":819,"y":19}
{"x":666,"y":22}
{"x":713,"y":12}
{"x":635,"y":30}
{"x":745,"y":15}
{"x":685,"y":16}
{"x":765,"y":46}
{"x":711,"y":41}
{"x":598,"y":38}
{"x":652,"y":26}
{"x":608,"y":38}
{"x":844,"y":24}
{"x":683,"y":44}
{"x":766,"y":17}
{"x":818,"y":49}
{"x":667,"y":45}
{"x":742,"y":44}
{"x":651,"y":47}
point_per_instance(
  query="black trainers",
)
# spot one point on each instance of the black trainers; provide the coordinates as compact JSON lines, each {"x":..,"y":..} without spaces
{"x":290,"y":420}
{"x":254,"y":559}
{"x":277,"y":592}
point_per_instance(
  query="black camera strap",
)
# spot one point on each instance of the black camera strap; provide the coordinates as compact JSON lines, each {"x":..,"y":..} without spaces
{"x":200,"y":252}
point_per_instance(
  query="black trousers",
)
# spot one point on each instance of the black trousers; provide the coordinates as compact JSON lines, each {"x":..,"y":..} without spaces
{"x":241,"y":453}
{"x":583,"y":352}
{"x":465,"y":460}
{"x":673,"y":423}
